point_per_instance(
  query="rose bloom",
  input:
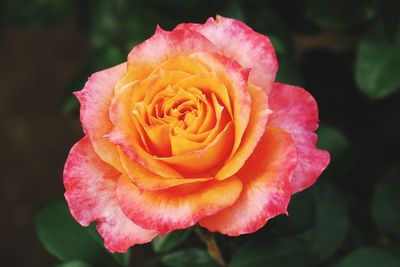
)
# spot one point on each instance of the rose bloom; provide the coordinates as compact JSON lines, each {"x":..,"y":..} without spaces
{"x":191,"y":129}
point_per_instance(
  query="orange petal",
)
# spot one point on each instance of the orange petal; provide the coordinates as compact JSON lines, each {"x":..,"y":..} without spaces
{"x":234,"y":77}
{"x":255,"y":130}
{"x":159,"y":143}
{"x":177,"y":207}
{"x":145,"y":180}
{"x":126,"y":135}
{"x":266,"y":187}
{"x":186,"y":64}
{"x":203,"y":160}
{"x":162,"y":81}
{"x":207,"y":83}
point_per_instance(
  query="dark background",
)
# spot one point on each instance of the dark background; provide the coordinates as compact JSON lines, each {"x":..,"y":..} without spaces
{"x":346,"y":53}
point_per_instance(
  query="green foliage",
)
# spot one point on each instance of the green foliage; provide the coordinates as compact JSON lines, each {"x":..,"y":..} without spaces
{"x":288,"y":71}
{"x":170,"y":240}
{"x":305,"y":237}
{"x":334,"y":141}
{"x":234,"y":10}
{"x":301,"y":216}
{"x":65,"y":239}
{"x":378,"y":63}
{"x":282,"y":252}
{"x":370,"y":257}
{"x":324,"y":237}
{"x":339,"y":14}
{"x":385,"y":205}
{"x":194,"y":257}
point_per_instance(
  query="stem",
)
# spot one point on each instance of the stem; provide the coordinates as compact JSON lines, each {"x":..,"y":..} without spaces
{"x":333,"y":41}
{"x":212,"y":247}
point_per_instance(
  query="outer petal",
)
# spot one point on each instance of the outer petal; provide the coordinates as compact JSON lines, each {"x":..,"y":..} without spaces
{"x":236,"y":40}
{"x":296,"y":111}
{"x":90,"y":192}
{"x":163,"y":45}
{"x":266,"y":187}
{"x":177,"y":207}
{"x":95,"y":99}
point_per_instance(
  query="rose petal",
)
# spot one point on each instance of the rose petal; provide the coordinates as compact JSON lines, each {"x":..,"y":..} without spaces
{"x":163,"y":45}
{"x":235,"y":80}
{"x":185,"y":141}
{"x":254,"y":131}
{"x":145,"y":180}
{"x":237,"y":41}
{"x":209,"y":83}
{"x":90,"y":187}
{"x":126,"y":135}
{"x":295,"y":111}
{"x":266,"y":187}
{"x":95,"y":99}
{"x":202,"y":160}
{"x":186,"y":64}
{"x":177,"y":207}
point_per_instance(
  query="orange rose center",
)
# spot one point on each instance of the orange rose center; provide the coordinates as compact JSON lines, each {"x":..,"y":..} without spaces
{"x":182,"y":113}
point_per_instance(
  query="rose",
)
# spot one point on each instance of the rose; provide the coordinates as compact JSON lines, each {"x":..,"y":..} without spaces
{"x":192,"y":129}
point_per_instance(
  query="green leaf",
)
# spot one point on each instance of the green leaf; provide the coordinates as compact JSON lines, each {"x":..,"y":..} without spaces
{"x":281,"y":252}
{"x":385,"y":204}
{"x":193,"y":257}
{"x":300,"y":216}
{"x":234,"y":10}
{"x":108,"y":57}
{"x":102,"y":20}
{"x":263,"y":19}
{"x":69,"y":105}
{"x":339,"y":14}
{"x":121,"y":258}
{"x":170,"y":241}
{"x":370,"y":257}
{"x":339,"y":147}
{"x":378,"y":63}
{"x":331,"y":139}
{"x":331,"y":221}
{"x":140,"y":24}
{"x":288,"y":72}
{"x":317,"y":223}
{"x":278,"y":45}
{"x":175,"y":4}
{"x":65,"y":239}
{"x":73,"y":264}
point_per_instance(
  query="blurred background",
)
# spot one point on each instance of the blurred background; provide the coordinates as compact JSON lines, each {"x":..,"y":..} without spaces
{"x":346,"y":53}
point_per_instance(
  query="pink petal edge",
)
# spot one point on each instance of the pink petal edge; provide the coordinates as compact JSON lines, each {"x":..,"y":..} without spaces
{"x":296,"y":111}
{"x":237,"y":41}
{"x":90,"y":187}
